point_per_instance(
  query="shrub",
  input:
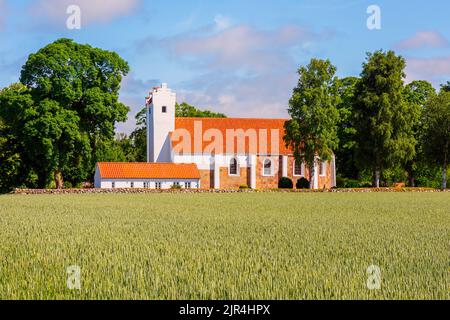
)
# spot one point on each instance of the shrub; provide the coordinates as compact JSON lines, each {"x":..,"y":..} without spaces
{"x":342,"y":182}
{"x":285,"y":183}
{"x":67,"y":185}
{"x":243,"y":186}
{"x":175,"y":187}
{"x":302,"y":183}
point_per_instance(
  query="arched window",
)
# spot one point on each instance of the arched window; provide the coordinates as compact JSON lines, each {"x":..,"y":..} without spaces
{"x":267,"y":167}
{"x":234,"y":167}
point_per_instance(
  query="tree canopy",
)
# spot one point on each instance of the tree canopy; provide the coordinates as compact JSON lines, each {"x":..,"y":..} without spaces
{"x":312,"y":131}
{"x":384,"y":121}
{"x":437,"y":132}
{"x":65,"y":106}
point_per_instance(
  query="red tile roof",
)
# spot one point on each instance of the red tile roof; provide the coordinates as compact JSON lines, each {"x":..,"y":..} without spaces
{"x":139,"y":170}
{"x":222,"y":124}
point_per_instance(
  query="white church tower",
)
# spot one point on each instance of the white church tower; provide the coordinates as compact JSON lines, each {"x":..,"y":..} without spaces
{"x":160,"y":122}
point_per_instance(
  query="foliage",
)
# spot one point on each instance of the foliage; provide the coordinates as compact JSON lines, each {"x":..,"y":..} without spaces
{"x":342,"y":182}
{"x":62,"y":112}
{"x":417,"y":94}
{"x":446,"y":87}
{"x":384,"y":121}
{"x":285,"y":183}
{"x":302,"y":183}
{"x":83,"y":80}
{"x":346,"y":131}
{"x":185,"y":110}
{"x":225,"y":246}
{"x":437,"y":133}
{"x":312,"y":131}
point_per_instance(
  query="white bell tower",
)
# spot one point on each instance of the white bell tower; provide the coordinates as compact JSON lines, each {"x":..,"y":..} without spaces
{"x":160,"y":122}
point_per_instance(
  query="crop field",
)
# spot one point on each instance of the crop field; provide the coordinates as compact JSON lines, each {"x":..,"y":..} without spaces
{"x":225,"y":246}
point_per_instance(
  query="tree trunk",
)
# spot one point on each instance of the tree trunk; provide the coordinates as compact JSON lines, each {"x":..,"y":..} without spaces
{"x":377,"y":178}
{"x":444,"y":177}
{"x":59,"y":179}
{"x":311,"y":175}
{"x":411,"y":182}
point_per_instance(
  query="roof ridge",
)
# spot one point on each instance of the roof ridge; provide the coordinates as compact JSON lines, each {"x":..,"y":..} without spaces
{"x":216,"y":118}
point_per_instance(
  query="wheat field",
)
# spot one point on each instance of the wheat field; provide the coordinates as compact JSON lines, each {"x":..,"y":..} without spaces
{"x":225,"y":246}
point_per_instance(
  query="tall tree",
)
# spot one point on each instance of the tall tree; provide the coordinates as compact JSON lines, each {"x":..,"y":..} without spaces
{"x":44,"y":138}
{"x":312,"y":131}
{"x":83,"y":79}
{"x":417,"y":94}
{"x":383,"y":119}
{"x":345,"y":154}
{"x":15,"y":168}
{"x":437,"y":132}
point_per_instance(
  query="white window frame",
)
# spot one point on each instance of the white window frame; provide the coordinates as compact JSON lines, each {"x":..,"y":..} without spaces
{"x":158,"y":185}
{"x":164,"y":109}
{"x":187,"y":185}
{"x":238,"y":168}
{"x":272,"y":169}
{"x":132,"y":184}
{"x":113,"y":184}
{"x":302,"y":169}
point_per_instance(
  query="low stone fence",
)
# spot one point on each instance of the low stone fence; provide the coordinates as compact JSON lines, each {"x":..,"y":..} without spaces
{"x":334,"y":190}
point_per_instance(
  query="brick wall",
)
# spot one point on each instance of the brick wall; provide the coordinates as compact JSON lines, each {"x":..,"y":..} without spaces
{"x":233,"y":182}
{"x":268,"y":182}
{"x":262,"y":182}
{"x":206,"y":179}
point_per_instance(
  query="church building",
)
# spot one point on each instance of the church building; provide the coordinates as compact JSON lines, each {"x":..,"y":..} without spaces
{"x":210,"y":153}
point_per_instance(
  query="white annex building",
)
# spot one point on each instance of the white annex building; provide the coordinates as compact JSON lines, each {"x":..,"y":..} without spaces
{"x":210,"y":153}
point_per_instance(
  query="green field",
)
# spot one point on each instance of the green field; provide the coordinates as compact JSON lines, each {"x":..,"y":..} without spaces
{"x":225,"y":246}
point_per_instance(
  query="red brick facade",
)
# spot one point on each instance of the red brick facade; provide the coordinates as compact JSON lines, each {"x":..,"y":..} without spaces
{"x":262,"y":182}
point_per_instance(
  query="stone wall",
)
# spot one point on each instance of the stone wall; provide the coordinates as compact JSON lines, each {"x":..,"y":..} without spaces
{"x":95,"y":191}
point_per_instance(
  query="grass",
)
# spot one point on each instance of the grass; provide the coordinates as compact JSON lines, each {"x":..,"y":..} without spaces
{"x":225,"y":246}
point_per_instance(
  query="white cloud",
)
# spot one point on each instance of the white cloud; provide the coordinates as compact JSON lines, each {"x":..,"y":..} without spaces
{"x":435,"y":70}
{"x":92,"y":11}
{"x":423,"y":39}
{"x":222,"y":22}
{"x":239,"y":70}
{"x":240,"y":46}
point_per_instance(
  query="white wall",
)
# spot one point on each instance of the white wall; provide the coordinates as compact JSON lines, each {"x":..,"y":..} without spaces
{"x":139,"y":183}
{"x":206,"y":161}
{"x":160,"y":124}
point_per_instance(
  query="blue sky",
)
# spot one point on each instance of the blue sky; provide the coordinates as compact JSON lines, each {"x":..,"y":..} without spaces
{"x":237,"y":57}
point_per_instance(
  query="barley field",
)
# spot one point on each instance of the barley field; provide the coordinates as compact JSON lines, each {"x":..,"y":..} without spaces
{"x":225,"y":246}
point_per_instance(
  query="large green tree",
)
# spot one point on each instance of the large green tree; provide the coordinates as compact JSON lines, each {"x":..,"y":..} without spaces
{"x":61,"y":115}
{"x":345,"y":153}
{"x":43,"y":138}
{"x":436,"y":141}
{"x":384,"y":121}
{"x":417,"y":94}
{"x":82,"y":79}
{"x":312,"y":130}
